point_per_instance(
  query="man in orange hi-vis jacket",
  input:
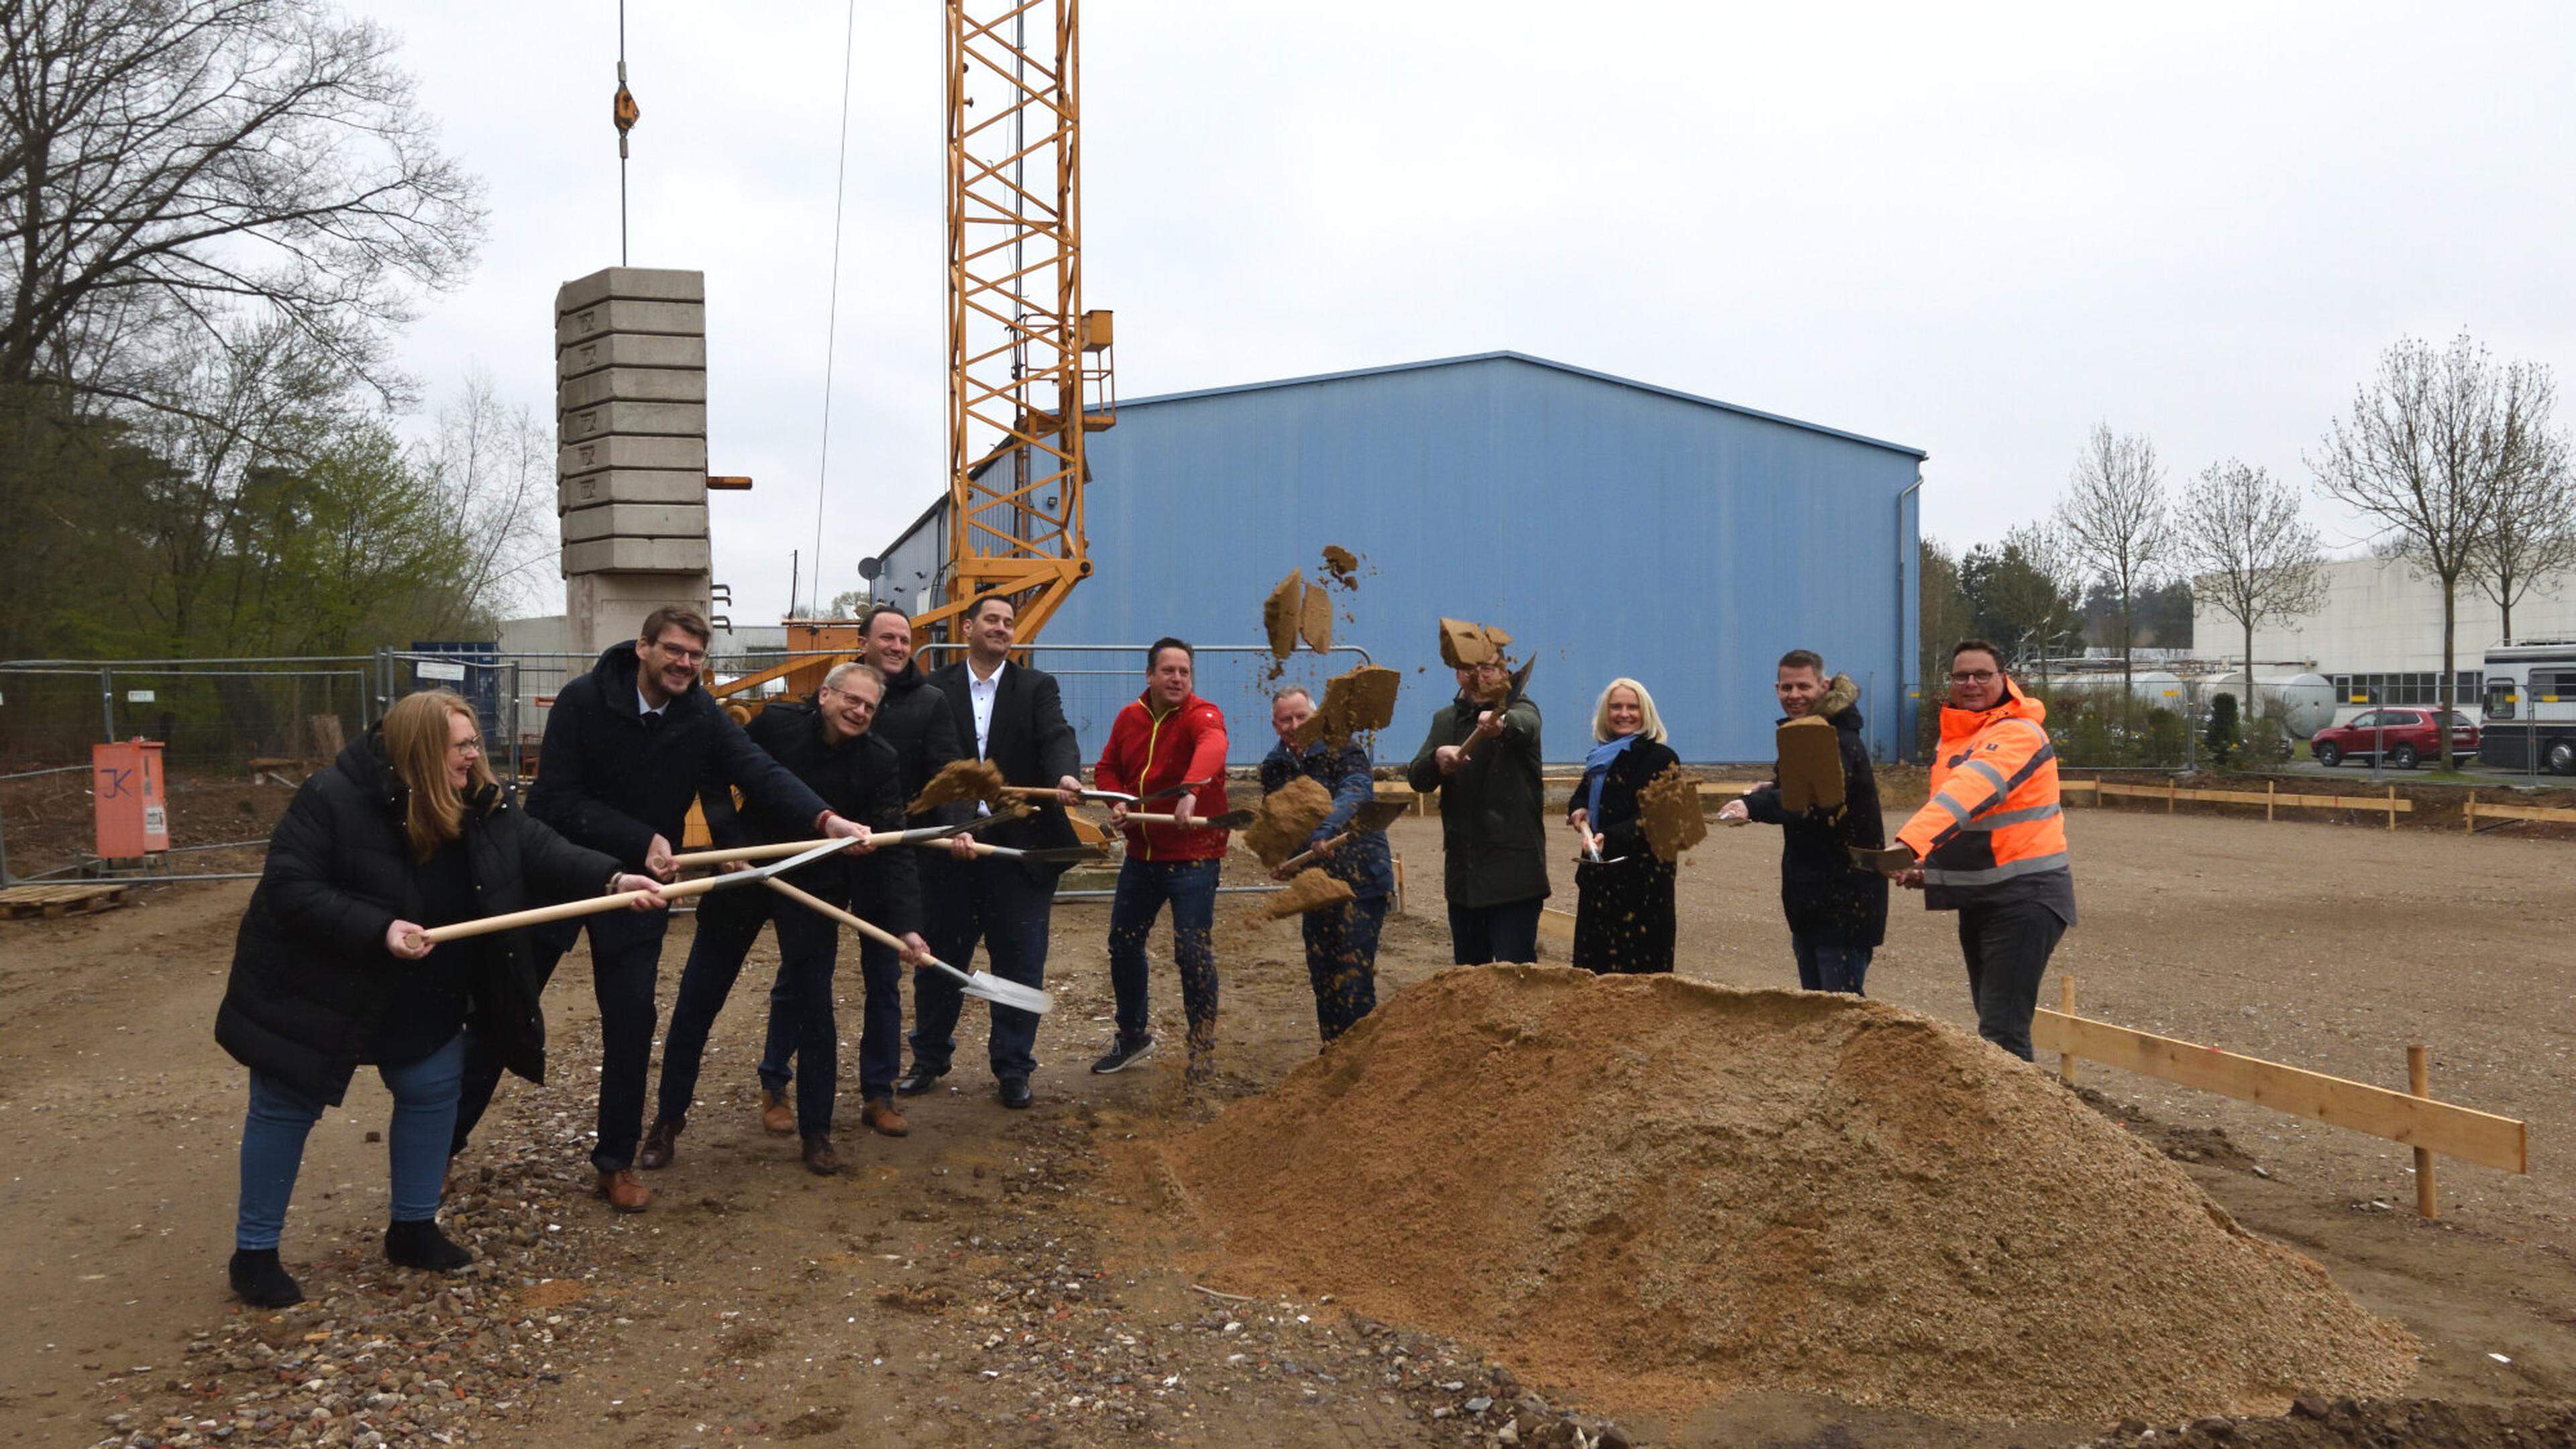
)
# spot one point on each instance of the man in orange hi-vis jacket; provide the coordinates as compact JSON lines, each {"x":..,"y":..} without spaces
{"x":1991,"y":843}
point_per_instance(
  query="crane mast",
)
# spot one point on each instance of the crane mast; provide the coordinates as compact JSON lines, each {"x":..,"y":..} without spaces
{"x":1029,"y":369}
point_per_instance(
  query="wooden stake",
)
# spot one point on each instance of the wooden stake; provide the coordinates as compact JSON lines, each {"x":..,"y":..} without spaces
{"x":2270,"y":788}
{"x":2169,"y":794}
{"x":2392,"y":809}
{"x":2066,"y":1007}
{"x":2419,"y":1082}
{"x":2469,"y":816}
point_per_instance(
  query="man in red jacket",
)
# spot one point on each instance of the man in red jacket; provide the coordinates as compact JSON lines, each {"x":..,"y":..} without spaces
{"x":1166,"y":737}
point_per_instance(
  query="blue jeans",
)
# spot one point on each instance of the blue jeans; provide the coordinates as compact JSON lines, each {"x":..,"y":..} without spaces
{"x":808,"y":948}
{"x":1829,"y":968}
{"x":272,"y":1149}
{"x":1341,"y":962}
{"x":880,"y":1024}
{"x":1001,"y":905}
{"x":1143,"y":888}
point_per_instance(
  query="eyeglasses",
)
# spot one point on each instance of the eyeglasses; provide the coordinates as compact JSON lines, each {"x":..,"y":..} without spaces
{"x":1974,"y":676}
{"x":681,"y":652}
{"x":471,"y":747}
{"x":861,"y":700}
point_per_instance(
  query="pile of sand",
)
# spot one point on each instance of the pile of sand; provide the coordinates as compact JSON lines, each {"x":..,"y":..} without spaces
{"x":1668,"y":811}
{"x":1658,"y":1192}
{"x":1308,"y":890}
{"x":960,"y":780}
{"x":1287,"y":820}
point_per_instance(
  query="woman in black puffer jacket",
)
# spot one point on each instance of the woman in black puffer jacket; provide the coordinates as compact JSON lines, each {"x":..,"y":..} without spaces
{"x":407,"y":829}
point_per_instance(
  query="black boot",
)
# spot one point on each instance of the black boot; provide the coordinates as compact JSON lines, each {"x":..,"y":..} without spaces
{"x":421,"y":1245}
{"x":261,"y":1281}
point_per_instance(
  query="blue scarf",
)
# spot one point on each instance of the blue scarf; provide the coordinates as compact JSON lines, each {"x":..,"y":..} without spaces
{"x":1596,"y":769}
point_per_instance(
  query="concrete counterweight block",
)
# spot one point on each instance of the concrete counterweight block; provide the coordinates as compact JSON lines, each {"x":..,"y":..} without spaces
{"x":630,"y":485}
{"x":638,"y":284}
{"x":623,"y":350}
{"x":679,"y":319}
{"x":636,"y":520}
{"x":617,"y":451}
{"x":642,"y":419}
{"x":632,"y":384}
{"x":636,"y":556}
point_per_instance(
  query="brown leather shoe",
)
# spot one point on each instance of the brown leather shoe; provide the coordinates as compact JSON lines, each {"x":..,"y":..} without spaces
{"x":658,"y":1145}
{"x":777,"y":1114}
{"x":880,"y":1116}
{"x":626,"y":1193}
{"x":820,"y":1159}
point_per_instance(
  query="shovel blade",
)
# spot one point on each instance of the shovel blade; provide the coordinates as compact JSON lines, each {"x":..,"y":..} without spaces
{"x":1008,"y":993}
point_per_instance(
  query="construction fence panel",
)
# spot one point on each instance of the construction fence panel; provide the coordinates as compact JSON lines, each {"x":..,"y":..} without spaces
{"x":209,"y":715}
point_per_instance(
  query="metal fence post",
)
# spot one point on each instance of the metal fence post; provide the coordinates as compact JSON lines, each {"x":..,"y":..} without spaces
{"x":107,"y":706}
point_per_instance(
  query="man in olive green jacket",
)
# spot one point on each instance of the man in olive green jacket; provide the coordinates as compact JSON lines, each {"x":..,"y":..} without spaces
{"x":1482,"y":754}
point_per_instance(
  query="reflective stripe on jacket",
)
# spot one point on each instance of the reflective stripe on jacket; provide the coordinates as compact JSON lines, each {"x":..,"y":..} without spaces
{"x":1993,"y":817}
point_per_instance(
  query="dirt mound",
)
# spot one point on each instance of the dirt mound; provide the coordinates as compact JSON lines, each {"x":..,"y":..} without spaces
{"x":960,"y":780}
{"x":1308,"y":890}
{"x":1287,"y":819}
{"x":1653,"y":1190}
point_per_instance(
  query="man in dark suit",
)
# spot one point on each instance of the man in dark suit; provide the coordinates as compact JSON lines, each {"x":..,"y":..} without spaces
{"x":1013,"y":716}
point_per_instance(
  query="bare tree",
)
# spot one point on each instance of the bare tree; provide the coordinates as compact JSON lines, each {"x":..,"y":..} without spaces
{"x":2250,"y":555}
{"x":493,"y":464}
{"x":2042,"y":594}
{"x":168,"y":165}
{"x":2115,"y":518}
{"x":2434,"y":442}
{"x":2533,"y":540}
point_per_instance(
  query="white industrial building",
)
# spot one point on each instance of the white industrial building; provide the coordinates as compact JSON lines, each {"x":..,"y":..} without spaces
{"x":2378,"y":634}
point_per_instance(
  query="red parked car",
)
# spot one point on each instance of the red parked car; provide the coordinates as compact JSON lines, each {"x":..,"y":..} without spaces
{"x":2407,"y":735}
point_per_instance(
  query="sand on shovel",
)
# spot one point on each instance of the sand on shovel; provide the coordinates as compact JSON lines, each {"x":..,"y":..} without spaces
{"x":961,"y":780}
{"x":1657,"y":1193}
{"x":1343,"y":565}
{"x":1308,"y":890}
{"x":1811,"y":765}
{"x":1668,"y":810}
{"x":1355,"y":702}
{"x":1287,"y":820}
{"x":1282,"y":612}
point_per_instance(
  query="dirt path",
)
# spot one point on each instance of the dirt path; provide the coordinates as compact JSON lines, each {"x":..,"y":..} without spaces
{"x":1001,"y":1277}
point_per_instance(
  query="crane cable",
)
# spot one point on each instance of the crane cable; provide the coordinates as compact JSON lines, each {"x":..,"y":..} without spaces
{"x":832,"y":311}
{"x":622,"y":113}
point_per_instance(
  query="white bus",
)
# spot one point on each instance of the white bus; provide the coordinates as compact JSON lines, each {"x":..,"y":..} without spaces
{"x":2530,"y":706}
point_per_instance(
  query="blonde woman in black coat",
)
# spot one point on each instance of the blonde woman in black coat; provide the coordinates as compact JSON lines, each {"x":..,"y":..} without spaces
{"x":406,"y":830}
{"x":1623,"y":919}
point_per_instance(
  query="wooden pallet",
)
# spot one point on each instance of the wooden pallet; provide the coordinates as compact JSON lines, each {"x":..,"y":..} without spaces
{"x":29,"y":901}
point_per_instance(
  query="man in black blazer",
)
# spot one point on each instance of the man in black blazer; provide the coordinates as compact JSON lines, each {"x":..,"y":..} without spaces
{"x":1013,"y":716}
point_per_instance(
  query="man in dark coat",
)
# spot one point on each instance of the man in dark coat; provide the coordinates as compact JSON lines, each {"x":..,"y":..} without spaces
{"x":1837,"y":910}
{"x":625,"y":748}
{"x":1012,"y":716}
{"x":914,"y":719}
{"x":828,"y":744}
{"x":1341,"y":940}
{"x":1482,"y":754}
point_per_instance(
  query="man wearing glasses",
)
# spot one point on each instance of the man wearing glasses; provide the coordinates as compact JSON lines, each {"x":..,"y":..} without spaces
{"x":1991,"y":843}
{"x":828,"y":743}
{"x":625,"y":749}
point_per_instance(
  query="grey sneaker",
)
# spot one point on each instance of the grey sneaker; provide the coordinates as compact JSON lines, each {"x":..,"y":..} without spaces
{"x":1124,"y":1054}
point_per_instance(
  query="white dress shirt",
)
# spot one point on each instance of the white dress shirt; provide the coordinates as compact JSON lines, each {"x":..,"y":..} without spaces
{"x":980,"y":693}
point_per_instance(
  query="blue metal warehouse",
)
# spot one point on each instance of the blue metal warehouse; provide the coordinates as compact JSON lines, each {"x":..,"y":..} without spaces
{"x":1612,"y":527}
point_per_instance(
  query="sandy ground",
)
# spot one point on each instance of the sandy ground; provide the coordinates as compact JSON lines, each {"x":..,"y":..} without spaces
{"x":999,"y":1277}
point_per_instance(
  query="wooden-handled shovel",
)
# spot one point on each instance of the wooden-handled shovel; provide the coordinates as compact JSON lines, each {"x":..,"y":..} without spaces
{"x":975,"y":983}
{"x":1106,"y":797}
{"x":1230,"y":820}
{"x":696,"y":858}
{"x":537,"y":916}
{"x":1043,"y":854}
{"x":1518,"y":686}
{"x":1371,"y":817}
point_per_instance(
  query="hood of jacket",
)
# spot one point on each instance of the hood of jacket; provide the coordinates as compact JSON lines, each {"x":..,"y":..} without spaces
{"x":909,"y":679}
{"x":1840,"y":704}
{"x":1959,"y":724}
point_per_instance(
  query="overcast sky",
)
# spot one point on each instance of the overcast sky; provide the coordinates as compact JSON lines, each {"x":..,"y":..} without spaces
{"x":1973,"y":233}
